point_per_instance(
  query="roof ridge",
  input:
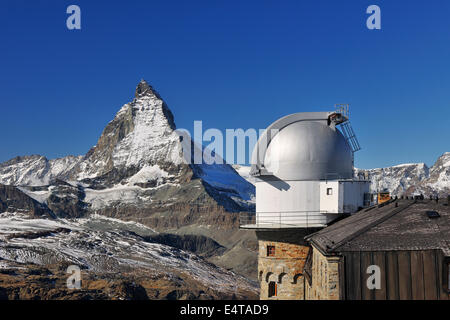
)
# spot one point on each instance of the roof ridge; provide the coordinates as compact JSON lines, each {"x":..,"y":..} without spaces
{"x":371,"y":225}
{"x":356,"y":217}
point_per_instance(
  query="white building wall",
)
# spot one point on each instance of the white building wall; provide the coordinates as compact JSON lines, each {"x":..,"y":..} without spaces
{"x":307,"y":203}
{"x":289,"y":202}
{"x":331,"y":196}
{"x":354,"y":195}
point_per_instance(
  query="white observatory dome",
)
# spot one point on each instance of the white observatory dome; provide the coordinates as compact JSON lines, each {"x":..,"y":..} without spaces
{"x":309,"y":150}
{"x":307,"y":146}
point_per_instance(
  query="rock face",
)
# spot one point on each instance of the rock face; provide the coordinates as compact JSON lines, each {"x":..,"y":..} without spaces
{"x":136,"y":170}
{"x":14,"y":200}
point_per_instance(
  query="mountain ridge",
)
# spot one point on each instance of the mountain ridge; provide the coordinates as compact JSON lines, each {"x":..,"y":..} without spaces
{"x":412,"y":178}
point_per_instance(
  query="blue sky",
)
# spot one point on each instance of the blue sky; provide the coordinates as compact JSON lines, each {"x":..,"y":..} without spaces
{"x":231,"y":64}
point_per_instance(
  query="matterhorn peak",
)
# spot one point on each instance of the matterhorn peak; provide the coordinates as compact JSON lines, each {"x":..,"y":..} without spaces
{"x":144,"y":88}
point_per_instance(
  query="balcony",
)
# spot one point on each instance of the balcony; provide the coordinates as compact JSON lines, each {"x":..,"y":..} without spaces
{"x":283,"y":220}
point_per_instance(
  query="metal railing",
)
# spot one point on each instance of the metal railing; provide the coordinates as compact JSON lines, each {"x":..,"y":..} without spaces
{"x":342,"y":108}
{"x":287,"y":219}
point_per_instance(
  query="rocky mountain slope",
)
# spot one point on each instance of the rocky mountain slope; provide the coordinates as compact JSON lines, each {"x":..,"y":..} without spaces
{"x":118,"y":261}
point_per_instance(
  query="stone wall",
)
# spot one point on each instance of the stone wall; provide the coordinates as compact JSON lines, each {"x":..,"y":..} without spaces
{"x":325,"y":284}
{"x":285,"y":267}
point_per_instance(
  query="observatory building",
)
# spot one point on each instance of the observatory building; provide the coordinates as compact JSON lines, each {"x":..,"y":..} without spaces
{"x":303,"y":165}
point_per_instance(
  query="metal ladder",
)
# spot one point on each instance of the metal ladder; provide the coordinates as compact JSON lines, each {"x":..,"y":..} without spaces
{"x":350,"y":136}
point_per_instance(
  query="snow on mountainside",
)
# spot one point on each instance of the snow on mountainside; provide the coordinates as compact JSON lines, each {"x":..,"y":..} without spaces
{"x":412,"y":179}
{"x":137,"y":161}
{"x":109,"y":248}
{"x":439,"y":176}
{"x":35,"y":170}
{"x":397,"y":179}
{"x":244,"y":172}
{"x":141,"y":133}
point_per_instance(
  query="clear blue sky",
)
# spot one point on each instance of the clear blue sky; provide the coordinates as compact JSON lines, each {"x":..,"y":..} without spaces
{"x":232,"y":64}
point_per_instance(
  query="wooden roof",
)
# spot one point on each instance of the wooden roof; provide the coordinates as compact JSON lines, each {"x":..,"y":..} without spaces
{"x":403,"y":227}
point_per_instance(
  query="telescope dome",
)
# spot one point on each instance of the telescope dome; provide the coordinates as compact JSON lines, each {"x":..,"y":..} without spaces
{"x":309,"y":150}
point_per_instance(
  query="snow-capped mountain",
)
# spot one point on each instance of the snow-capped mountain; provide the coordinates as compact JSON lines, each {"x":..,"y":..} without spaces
{"x":412,"y":179}
{"x":141,"y":134}
{"x":36,"y":170}
{"x":137,"y":162}
{"x":397,"y":179}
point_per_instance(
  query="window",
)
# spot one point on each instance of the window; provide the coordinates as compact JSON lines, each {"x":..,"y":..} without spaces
{"x":432,"y":214}
{"x":272,"y":289}
{"x":270,"y":251}
{"x":329,"y":191}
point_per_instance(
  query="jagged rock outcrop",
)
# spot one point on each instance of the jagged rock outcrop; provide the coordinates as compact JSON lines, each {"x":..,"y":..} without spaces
{"x":14,"y":200}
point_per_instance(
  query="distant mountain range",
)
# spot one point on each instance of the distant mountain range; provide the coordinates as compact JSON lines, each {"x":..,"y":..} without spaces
{"x":412,"y":178}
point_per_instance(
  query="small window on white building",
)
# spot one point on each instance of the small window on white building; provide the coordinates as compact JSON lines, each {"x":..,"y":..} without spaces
{"x":329,"y":191}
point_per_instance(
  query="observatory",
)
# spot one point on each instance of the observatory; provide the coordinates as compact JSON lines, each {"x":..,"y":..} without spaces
{"x":304,"y":169}
{"x":303,"y":165}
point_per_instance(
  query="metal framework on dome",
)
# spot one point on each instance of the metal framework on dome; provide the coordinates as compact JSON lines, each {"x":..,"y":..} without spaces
{"x":346,"y":127}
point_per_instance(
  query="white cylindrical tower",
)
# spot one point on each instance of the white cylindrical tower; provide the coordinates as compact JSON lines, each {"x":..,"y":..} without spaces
{"x":304,"y":169}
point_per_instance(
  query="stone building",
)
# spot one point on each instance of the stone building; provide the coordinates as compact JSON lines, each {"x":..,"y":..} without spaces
{"x":408,"y":240}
